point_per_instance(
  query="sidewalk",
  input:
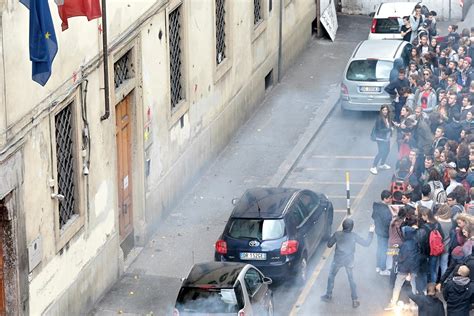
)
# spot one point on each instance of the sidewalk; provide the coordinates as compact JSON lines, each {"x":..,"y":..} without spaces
{"x":263,"y":148}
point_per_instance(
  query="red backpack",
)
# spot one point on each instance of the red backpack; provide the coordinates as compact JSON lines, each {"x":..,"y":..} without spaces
{"x":436,"y":243}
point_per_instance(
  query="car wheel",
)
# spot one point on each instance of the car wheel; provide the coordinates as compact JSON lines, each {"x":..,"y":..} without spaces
{"x":303,"y":271}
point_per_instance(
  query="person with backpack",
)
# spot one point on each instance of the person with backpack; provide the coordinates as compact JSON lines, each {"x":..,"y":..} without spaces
{"x":395,"y":240}
{"x":439,"y":195}
{"x":426,"y":199}
{"x":435,"y":239}
{"x":443,"y":216}
{"x":382,"y":217}
{"x":456,"y":208}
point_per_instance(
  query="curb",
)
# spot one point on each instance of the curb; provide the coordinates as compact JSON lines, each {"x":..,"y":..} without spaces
{"x":304,"y":141}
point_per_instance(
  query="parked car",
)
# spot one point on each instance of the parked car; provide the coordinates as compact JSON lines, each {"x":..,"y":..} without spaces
{"x":388,"y":19}
{"x":277,"y":230}
{"x":224,"y":288}
{"x":367,"y":74}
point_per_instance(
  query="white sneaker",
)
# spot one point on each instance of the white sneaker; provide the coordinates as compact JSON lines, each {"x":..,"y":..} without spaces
{"x":385,"y":167}
{"x":377,"y":269}
{"x":373,"y":170}
{"x":385,"y":272}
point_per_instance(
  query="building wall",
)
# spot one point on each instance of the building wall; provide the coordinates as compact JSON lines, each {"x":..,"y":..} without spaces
{"x":440,"y":6}
{"x":174,"y":146}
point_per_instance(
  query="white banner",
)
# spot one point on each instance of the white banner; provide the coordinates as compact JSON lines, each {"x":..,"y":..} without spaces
{"x":329,"y":20}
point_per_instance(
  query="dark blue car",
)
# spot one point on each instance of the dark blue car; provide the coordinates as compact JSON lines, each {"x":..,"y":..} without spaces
{"x":277,"y":230}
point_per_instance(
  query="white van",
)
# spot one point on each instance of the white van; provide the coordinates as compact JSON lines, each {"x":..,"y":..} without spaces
{"x":388,"y":19}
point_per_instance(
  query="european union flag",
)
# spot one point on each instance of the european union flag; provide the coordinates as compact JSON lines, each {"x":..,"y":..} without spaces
{"x":43,"y":43}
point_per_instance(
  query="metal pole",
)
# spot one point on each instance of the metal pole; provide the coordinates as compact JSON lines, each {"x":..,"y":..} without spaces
{"x":318,"y":19}
{"x":449,"y":13}
{"x":348,"y":194}
{"x":280,"y":40}
{"x":105,"y":50}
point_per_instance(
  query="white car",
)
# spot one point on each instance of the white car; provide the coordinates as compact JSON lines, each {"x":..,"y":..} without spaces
{"x":388,"y":19}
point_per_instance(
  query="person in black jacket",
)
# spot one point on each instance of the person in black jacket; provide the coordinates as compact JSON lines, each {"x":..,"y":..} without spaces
{"x":429,"y":304}
{"x":383,"y":132}
{"x":457,"y":292}
{"x":408,"y":262}
{"x":382,"y":217}
{"x":345,"y":242}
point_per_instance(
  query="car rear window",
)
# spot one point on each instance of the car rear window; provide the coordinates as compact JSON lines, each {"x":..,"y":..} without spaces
{"x":389,"y":25}
{"x":261,"y":229}
{"x":208,"y":300}
{"x":369,"y":70}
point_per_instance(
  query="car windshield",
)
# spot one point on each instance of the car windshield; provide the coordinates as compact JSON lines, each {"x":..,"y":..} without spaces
{"x":207,"y":300}
{"x":261,"y":229}
{"x":369,"y":70}
{"x":390,"y":25}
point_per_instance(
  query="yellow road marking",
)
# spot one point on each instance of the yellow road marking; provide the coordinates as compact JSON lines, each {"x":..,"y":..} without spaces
{"x":342,"y":157}
{"x":327,"y":253}
{"x":329,"y":182}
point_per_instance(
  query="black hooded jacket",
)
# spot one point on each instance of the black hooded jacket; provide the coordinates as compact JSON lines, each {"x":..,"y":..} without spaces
{"x":345,"y":241}
{"x":457,"y":294}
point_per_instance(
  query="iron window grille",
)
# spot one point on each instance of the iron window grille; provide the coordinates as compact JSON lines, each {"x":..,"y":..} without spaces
{"x":220,"y":31}
{"x":65,"y":164}
{"x":257,"y":12}
{"x":123,"y":69}
{"x":176,"y":76}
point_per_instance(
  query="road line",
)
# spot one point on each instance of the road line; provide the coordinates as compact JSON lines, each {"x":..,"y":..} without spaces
{"x":327,"y":253}
{"x":329,"y":182}
{"x":340,"y":211}
{"x":342,"y":157}
{"x":335,"y":169}
{"x":337,"y":196}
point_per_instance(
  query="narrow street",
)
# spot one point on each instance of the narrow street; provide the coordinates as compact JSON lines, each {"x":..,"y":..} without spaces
{"x":292,"y":111}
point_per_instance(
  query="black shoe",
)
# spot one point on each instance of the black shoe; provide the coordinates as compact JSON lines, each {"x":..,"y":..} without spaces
{"x":326,"y":298}
{"x":355,"y":303}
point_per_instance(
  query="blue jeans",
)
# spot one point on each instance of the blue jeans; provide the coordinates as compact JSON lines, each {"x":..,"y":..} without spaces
{"x":443,"y":262}
{"x":382,"y":154}
{"x":421,"y":281}
{"x":433,"y":263}
{"x":382,"y":245}
{"x":332,"y":276}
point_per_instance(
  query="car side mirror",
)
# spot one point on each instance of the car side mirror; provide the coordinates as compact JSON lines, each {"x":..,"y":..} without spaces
{"x":235,"y":201}
{"x":372,"y":14}
{"x":267,"y":280}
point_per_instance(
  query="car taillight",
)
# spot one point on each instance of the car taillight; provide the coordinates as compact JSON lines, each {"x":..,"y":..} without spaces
{"x":241,"y":313}
{"x":289,"y":247}
{"x":175,"y":312}
{"x":374,"y":24}
{"x":344,"y":89}
{"x":221,"y":247}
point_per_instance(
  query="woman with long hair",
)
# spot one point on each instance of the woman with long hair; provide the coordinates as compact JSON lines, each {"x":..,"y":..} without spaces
{"x":443,"y":216}
{"x":383,"y":132}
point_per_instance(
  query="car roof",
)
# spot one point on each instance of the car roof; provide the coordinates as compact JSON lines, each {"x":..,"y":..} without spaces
{"x":395,"y":9}
{"x":263,"y":203}
{"x":214,"y":274}
{"x":379,"y":49}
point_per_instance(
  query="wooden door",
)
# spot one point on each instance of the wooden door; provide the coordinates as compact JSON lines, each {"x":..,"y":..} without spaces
{"x":124,"y":165}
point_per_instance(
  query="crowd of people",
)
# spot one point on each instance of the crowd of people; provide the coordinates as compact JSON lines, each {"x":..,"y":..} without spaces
{"x":425,"y":222}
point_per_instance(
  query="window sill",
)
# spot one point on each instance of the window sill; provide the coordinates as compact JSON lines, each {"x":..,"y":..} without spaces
{"x":258,"y":30}
{"x":181,"y":108}
{"x":67,"y":232}
{"x":222,"y":69}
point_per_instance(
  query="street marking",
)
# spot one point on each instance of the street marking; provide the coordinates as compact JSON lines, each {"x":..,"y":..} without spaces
{"x":327,"y":253}
{"x":340,"y":211}
{"x":329,"y":182}
{"x":335,"y":169}
{"x":342,"y":157}
{"x":337,"y":196}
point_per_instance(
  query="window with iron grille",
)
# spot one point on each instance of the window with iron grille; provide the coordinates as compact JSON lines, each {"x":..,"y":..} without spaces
{"x":176,"y":75}
{"x":257,"y":11}
{"x":65,"y":160}
{"x":220,"y":31}
{"x":123,"y":69}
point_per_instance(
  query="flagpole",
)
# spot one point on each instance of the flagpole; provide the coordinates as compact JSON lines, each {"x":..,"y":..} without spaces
{"x":106,"y":62}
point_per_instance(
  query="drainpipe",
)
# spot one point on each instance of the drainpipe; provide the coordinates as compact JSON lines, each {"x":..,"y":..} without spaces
{"x":319,"y":33}
{"x":106,"y":62}
{"x":280,"y":39}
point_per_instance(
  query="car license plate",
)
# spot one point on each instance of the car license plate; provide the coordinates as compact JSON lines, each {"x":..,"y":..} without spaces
{"x":253,"y":256}
{"x":369,"y":89}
